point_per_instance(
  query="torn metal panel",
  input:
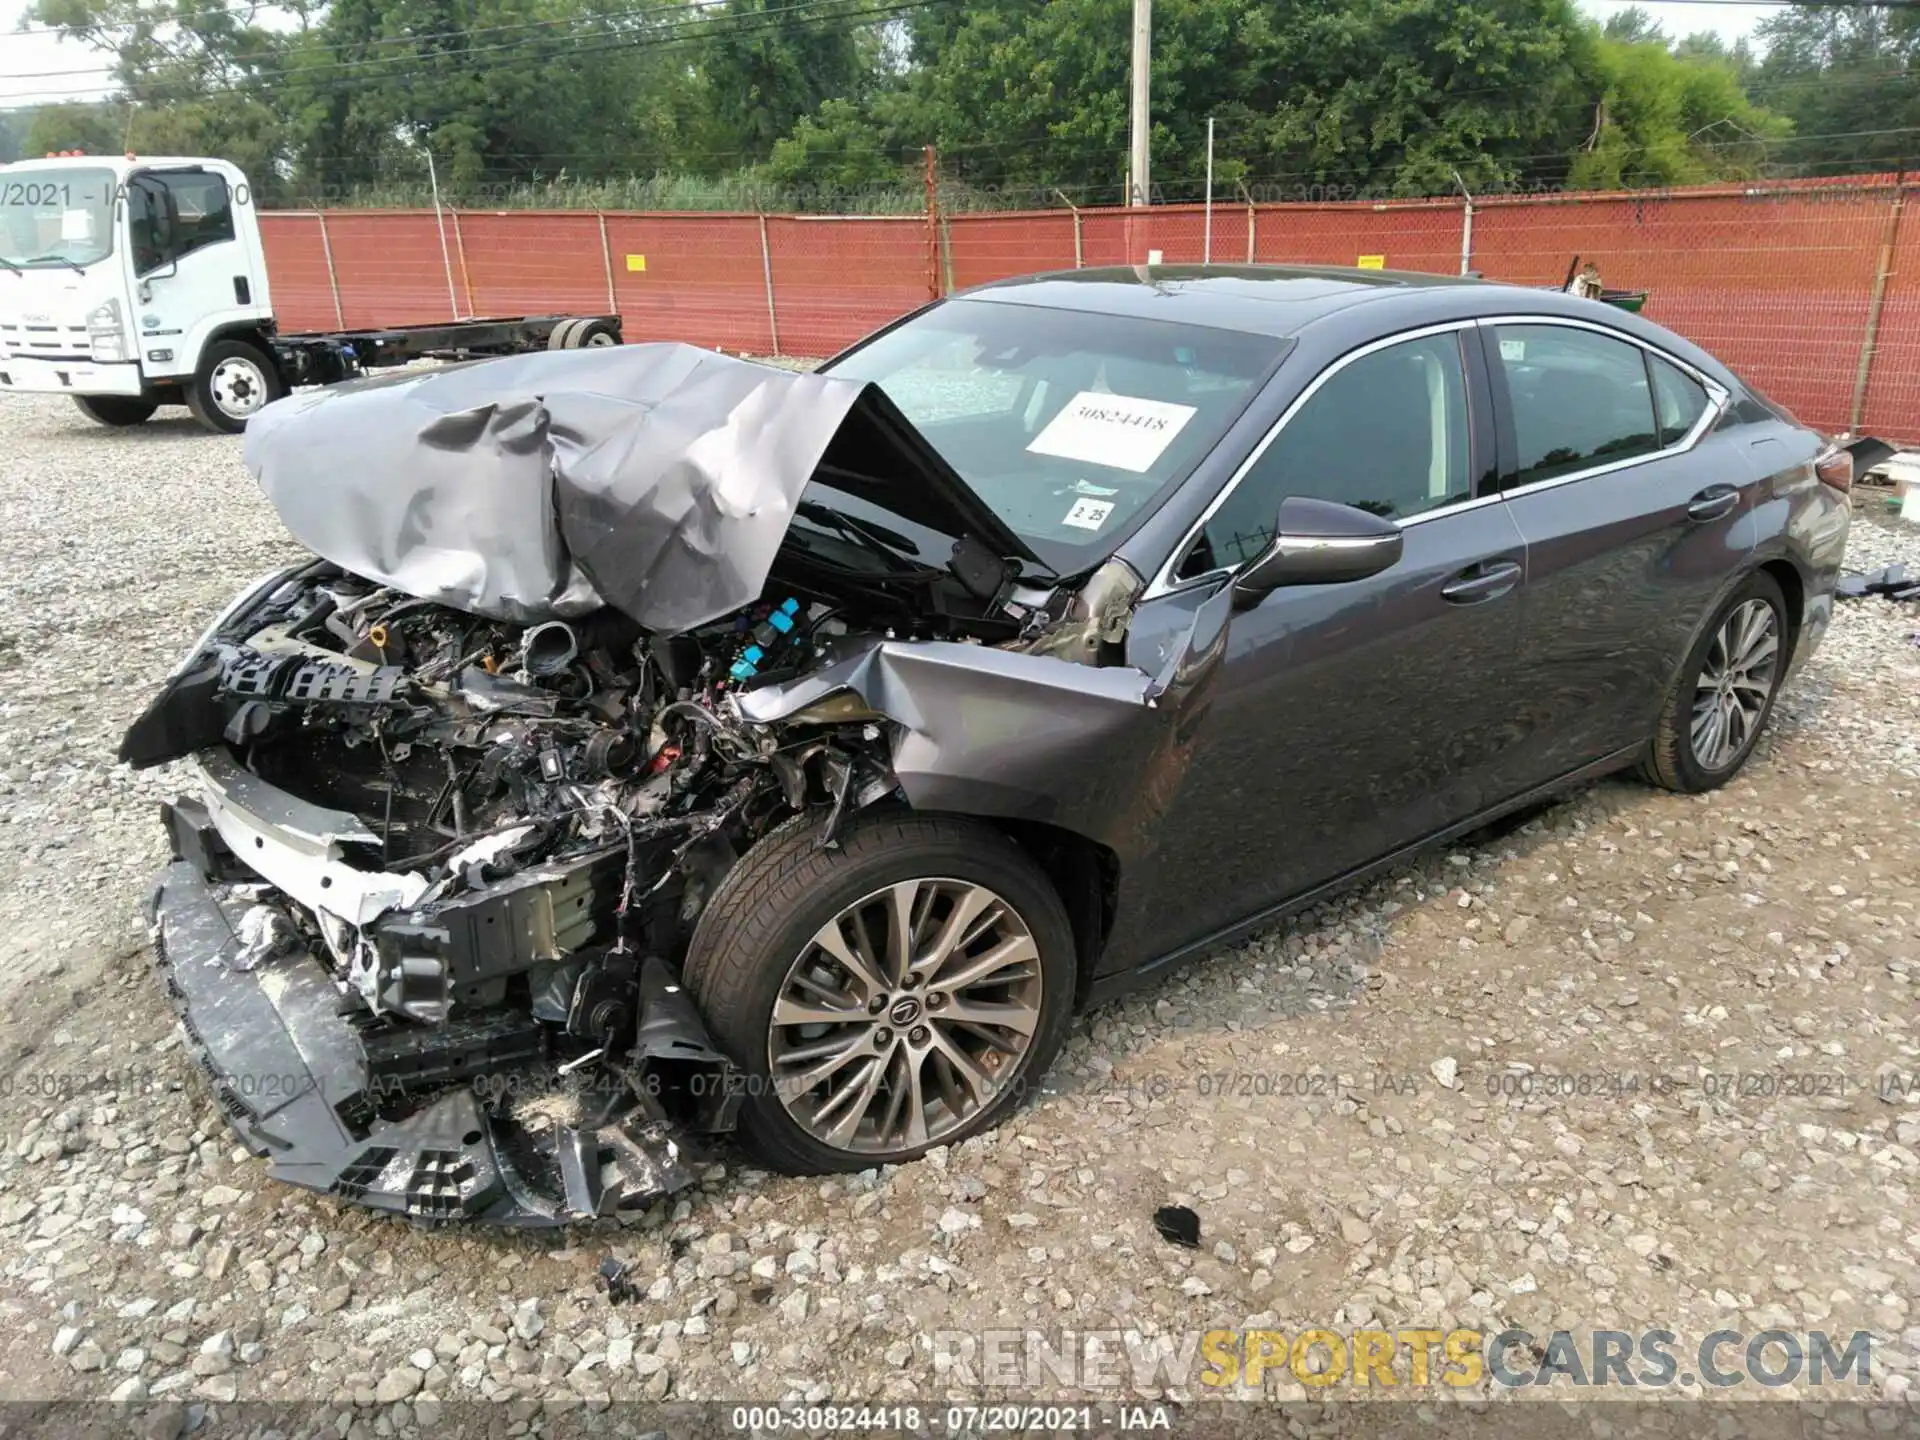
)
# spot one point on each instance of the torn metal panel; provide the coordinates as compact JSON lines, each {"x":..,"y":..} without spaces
{"x":659,"y":479}
{"x":300,"y":1084}
{"x":995,"y":732}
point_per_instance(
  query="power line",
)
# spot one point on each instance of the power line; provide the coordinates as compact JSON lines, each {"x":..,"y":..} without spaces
{"x":693,"y":29}
{"x":728,"y":19}
{"x":246,"y":5}
{"x":585,"y":18}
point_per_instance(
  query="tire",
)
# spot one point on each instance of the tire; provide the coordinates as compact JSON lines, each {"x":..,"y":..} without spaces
{"x":759,"y":933}
{"x":561,"y":336}
{"x":234,"y":381}
{"x":592,"y":334}
{"x":116,"y":410}
{"x":1677,"y":759}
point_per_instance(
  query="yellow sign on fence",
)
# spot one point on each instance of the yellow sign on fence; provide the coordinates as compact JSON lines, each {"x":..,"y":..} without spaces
{"x":636,"y":262}
{"x":1372,"y":262}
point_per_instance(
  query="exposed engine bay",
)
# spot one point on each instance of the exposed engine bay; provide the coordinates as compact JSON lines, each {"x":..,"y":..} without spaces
{"x":586,"y":761}
{"x":450,"y":843}
{"x":510,"y":825}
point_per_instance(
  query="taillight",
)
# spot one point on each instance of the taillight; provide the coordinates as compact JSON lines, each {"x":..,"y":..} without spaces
{"x":1834,"y":466}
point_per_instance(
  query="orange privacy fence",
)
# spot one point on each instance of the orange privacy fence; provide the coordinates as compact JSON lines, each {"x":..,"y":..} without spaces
{"x":1810,"y":290}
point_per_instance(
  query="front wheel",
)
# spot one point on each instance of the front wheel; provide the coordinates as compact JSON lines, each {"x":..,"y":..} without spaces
{"x":892,"y":994}
{"x":1724,"y":694}
{"x":234,"y":383}
{"x":115,"y":410}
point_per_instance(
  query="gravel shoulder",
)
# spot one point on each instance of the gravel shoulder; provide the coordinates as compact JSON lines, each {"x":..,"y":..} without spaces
{"x":1376,"y":1110}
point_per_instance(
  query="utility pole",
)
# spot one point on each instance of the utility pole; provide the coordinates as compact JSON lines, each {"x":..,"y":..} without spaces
{"x":1206,"y":253}
{"x":1142,"y":61}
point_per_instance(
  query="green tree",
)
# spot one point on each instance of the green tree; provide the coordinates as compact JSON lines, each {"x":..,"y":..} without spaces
{"x":192,"y":78}
{"x":838,"y":146}
{"x":1667,"y":119}
{"x":92,"y":128}
{"x":1846,"y":78}
{"x":1393,"y":97}
{"x":765,"y":67}
{"x":15,"y":130}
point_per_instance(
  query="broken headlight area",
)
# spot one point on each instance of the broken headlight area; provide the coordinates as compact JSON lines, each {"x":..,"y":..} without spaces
{"x":429,"y":900}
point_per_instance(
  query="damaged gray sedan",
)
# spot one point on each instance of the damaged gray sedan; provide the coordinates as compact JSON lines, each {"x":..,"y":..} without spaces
{"x":663,"y":745}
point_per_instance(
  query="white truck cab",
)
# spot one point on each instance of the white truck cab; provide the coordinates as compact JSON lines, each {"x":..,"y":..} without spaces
{"x":131,"y":283}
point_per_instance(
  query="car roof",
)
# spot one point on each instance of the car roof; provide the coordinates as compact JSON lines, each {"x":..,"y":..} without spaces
{"x":1285,"y":301}
{"x":1258,"y":299}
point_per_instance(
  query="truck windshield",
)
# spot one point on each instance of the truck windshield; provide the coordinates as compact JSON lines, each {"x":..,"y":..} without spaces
{"x":53,"y":217}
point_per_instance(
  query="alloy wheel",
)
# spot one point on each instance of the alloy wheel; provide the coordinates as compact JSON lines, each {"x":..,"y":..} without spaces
{"x":239,"y":387}
{"x":905,"y":1016}
{"x":1736,"y":679}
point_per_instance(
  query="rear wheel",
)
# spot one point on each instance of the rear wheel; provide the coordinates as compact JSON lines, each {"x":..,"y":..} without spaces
{"x":593,"y":334}
{"x":1724,"y":695}
{"x":561,"y":336}
{"x":116,"y":410}
{"x":892,"y":994}
{"x":235,"y":382}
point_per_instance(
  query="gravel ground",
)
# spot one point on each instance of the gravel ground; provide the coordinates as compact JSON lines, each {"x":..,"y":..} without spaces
{"x":1361,"y":1106}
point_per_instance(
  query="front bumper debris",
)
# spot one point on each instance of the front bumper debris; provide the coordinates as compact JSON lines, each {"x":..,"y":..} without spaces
{"x":475,"y":1124}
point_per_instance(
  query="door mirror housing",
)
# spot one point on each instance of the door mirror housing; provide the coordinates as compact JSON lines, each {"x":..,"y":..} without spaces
{"x":1319,"y":542}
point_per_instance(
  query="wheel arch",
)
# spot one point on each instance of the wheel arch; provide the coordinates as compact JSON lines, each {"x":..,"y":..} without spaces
{"x":1084,"y":873}
{"x":1793,"y":588}
{"x":250,"y":331}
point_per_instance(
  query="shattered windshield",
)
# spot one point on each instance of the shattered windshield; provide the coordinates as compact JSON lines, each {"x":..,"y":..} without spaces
{"x":1066,"y":423}
{"x":54,"y":217}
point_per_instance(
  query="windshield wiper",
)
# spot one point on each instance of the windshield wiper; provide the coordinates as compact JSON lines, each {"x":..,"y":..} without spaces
{"x":78,"y":268}
{"x":889,"y":545}
{"x":11,"y":266}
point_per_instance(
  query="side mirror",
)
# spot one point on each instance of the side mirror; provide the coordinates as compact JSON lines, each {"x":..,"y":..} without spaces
{"x":1320,"y":543}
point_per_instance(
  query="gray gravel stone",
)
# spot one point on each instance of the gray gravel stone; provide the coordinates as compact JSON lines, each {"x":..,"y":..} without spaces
{"x":1767,"y":930}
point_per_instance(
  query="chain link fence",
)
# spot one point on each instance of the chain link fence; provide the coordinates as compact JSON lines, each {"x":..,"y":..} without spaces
{"x":1810,"y":289}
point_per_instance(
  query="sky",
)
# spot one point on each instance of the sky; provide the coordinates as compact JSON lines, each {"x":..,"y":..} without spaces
{"x":31,"y":65}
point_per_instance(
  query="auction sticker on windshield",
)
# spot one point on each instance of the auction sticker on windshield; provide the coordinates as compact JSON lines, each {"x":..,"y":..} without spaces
{"x":1088,"y":514}
{"x":1124,"y":432}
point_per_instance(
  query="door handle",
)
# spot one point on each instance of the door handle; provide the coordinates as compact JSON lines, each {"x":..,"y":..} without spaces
{"x":1481,"y":582}
{"x":1713,"y":502}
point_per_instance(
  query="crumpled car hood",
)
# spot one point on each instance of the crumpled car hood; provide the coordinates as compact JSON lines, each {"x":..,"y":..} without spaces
{"x":658,"y":479}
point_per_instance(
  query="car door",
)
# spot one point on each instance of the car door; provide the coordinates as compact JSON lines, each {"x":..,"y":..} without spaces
{"x":1634,"y":513}
{"x":187,"y":262}
{"x":1345,"y":720}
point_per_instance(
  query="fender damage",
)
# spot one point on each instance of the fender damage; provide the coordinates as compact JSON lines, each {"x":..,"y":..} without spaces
{"x":461,"y":787}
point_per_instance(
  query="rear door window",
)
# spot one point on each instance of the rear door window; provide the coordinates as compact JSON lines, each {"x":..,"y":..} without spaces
{"x":1579,"y":399}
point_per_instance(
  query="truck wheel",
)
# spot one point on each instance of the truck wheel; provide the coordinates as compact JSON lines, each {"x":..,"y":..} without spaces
{"x":560,"y":337}
{"x":234,"y":381}
{"x":115,"y":409}
{"x":895,"y":993}
{"x":591,"y":334}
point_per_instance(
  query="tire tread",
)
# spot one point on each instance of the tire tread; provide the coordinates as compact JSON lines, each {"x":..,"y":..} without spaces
{"x":1667,"y":763}
{"x":737,"y":936}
